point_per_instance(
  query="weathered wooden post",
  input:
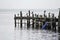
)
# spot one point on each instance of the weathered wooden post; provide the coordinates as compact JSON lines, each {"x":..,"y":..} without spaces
{"x":52,"y":21}
{"x":15,"y":20}
{"x":49,"y":20}
{"x":35,"y":21}
{"x":32,"y":20}
{"x":21,"y":19}
{"x":28,"y":20}
{"x":18,"y":20}
{"x":55,"y":24}
{"x":44,"y":17}
{"x":44,"y":13}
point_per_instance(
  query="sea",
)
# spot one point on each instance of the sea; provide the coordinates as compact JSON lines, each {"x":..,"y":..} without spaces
{"x":9,"y":32}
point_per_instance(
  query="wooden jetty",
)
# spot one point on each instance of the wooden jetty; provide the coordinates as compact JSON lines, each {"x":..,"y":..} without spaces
{"x":37,"y":21}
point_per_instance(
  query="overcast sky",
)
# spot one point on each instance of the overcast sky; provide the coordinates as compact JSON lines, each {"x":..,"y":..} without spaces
{"x":29,"y":4}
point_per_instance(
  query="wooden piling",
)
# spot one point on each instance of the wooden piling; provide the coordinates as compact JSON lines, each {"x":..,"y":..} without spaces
{"x":37,"y":24}
{"x":28,"y":20}
{"x":49,"y":20}
{"x":55,"y":24}
{"x":18,"y":20}
{"x":52,"y":22}
{"x":21,"y":19}
{"x":32,"y":20}
{"x":15,"y":20}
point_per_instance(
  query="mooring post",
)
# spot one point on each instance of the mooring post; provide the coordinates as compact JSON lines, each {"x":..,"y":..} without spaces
{"x":21,"y":19}
{"x":32,"y":20}
{"x":15,"y":20}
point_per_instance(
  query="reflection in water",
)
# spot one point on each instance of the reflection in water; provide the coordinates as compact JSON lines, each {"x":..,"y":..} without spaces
{"x":24,"y":34}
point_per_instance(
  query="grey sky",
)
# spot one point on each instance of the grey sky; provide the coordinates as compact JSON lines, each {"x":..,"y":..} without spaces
{"x":29,"y":4}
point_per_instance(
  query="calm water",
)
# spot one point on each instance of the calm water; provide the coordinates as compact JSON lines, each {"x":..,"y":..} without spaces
{"x":8,"y":32}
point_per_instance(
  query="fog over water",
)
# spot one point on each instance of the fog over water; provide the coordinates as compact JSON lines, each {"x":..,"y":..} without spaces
{"x":8,"y":32}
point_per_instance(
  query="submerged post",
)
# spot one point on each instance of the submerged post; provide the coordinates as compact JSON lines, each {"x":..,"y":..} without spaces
{"x":21,"y":19}
{"x":15,"y":20}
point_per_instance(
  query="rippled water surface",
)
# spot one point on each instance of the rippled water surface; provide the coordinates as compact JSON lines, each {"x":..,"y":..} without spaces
{"x":35,"y":35}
